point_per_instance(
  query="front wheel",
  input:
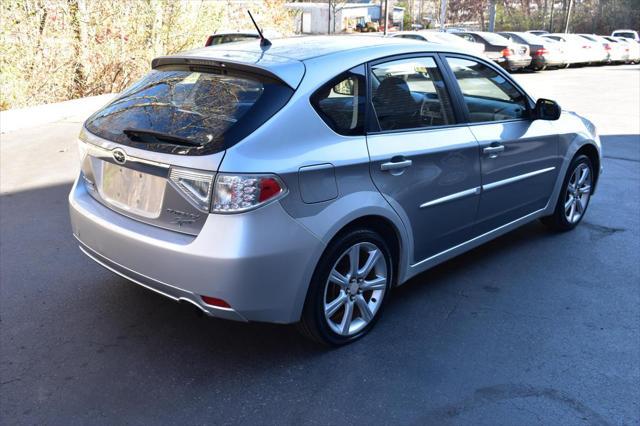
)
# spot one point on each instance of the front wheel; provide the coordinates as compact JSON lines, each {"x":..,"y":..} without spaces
{"x":574,"y":196}
{"x":348,"y":289}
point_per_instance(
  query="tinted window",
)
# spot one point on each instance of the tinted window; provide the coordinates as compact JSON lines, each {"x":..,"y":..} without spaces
{"x":515,"y":38}
{"x":410,"y":93}
{"x":232,"y":38}
{"x":488,"y":95}
{"x":467,"y":37}
{"x":189,"y":112}
{"x":495,"y":38}
{"x":412,"y":37}
{"x":529,"y":38}
{"x":588,"y":37}
{"x":625,"y":35}
{"x":341,"y":102}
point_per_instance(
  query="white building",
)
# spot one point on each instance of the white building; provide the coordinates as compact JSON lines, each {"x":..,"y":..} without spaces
{"x":320,"y":18}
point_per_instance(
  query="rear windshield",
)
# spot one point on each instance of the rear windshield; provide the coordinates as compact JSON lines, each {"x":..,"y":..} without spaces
{"x":495,"y":39}
{"x":531,"y":38}
{"x":624,"y":34}
{"x":189,"y":111}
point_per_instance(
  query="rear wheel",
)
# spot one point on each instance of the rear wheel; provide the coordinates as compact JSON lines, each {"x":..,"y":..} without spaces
{"x":348,"y":289}
{"x":574,"y":196}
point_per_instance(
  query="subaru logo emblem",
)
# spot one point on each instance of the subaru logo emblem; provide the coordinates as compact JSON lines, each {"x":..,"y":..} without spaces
{"x":119,"y":156}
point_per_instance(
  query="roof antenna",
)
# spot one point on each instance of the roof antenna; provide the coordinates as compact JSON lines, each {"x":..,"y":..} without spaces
{"x":263,"y":41}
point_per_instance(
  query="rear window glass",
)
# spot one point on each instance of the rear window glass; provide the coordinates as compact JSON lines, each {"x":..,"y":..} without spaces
{"x":531,"y":38}
{"x":495,"y":39}
{"x":624,"y":34}
{"x":188,"y":111}
{"x":232,"y":38}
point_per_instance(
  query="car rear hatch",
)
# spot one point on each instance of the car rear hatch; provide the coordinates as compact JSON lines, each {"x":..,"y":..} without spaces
{"x":520,"y":50}
{"x":153,"y":152}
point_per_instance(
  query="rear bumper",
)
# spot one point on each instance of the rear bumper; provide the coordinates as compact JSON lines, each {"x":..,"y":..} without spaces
{"x":259,"y":262}
{"x":514,"y":63}
{"x":548,"y":61}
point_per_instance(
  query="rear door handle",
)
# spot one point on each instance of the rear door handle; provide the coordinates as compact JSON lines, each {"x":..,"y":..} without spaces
{"x":395,"y":165}
{"x":493,"y":150}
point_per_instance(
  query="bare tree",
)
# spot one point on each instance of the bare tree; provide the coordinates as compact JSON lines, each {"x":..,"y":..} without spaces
{"x":334,"y":8}
{"x":78,"y":11}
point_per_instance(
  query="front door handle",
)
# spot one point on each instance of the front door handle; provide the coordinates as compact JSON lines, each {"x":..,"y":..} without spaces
{"x":493,"y":150}
{"x":396,"y":165}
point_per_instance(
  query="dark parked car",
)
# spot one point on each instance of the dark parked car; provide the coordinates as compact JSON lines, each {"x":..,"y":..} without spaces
{"x":507,"y":54}
{"x":543,"y":52}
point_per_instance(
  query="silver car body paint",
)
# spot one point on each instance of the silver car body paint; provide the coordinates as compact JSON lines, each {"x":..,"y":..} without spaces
{"x":452,"y":198}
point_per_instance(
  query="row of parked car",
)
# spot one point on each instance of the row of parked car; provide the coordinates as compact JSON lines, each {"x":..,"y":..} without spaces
{"x":538,"y":50}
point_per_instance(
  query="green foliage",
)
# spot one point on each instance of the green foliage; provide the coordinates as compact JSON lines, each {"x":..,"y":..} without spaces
{"x":54,"y":50}
{"x":406,"y":20}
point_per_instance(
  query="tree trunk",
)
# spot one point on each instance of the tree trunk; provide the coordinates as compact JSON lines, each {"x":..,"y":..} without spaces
{"x":41,"y":25}
{"x":157,"y":46}
{"x":78,"y":11}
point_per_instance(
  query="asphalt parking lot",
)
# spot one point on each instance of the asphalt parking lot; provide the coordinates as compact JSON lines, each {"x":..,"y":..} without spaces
{"x":532,"y":328}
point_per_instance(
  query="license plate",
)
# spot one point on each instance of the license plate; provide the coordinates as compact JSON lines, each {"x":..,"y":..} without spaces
{"x":136,"y":192}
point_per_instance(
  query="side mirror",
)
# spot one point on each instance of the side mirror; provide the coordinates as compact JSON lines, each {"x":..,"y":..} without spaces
{"x":546,"y":109}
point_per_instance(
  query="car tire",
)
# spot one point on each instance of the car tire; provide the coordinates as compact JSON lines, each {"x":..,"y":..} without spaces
{"x":335,"y":295}
{"x":574,"y":196}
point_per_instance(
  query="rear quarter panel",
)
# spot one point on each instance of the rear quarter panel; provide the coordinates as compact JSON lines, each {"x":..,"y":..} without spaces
{"x":296,"y":138}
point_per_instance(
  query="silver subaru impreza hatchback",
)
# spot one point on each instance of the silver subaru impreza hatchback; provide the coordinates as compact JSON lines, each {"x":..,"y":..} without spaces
{"x":300,"y":182}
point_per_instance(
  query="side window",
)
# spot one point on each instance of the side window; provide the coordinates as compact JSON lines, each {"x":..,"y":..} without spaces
{"x":468,"y":37}
{"x":409,"y":94}
{"x":341,"y":103}
{"x":487,"y":94}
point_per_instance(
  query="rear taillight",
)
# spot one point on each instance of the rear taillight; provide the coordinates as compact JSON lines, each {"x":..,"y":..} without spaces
{"x":239,"y":193}
{"x":196,"y":186}
{"x":505,"y":52}
{"x":209,"y":41}
{"x":541,"y":52}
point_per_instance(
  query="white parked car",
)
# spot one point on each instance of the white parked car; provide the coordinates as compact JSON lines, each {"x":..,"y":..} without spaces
{"x":440,"y":37}
{"x":634,"y":49}
{"x":630,"y":34}
{"x":618,"y":51}
{"x":600,"y":48}
{"x":576,"y":49}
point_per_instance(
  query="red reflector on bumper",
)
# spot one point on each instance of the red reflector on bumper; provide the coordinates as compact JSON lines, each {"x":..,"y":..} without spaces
{"x":214,"y":301}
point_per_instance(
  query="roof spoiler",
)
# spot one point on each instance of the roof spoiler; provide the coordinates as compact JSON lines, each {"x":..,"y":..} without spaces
{"x":253,"y":68}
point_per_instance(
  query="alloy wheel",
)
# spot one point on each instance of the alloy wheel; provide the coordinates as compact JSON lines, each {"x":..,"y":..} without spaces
{"x":578,"y":193}
{"x":355,"y":288}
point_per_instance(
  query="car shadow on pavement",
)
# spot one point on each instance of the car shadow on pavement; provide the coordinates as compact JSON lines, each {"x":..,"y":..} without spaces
{"x":119,"y":311}
{"x":79,"y":340}
{"x":37,"y":220}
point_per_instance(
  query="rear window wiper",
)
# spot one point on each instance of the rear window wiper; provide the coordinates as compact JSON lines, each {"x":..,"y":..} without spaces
{"x":151,"y":136}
